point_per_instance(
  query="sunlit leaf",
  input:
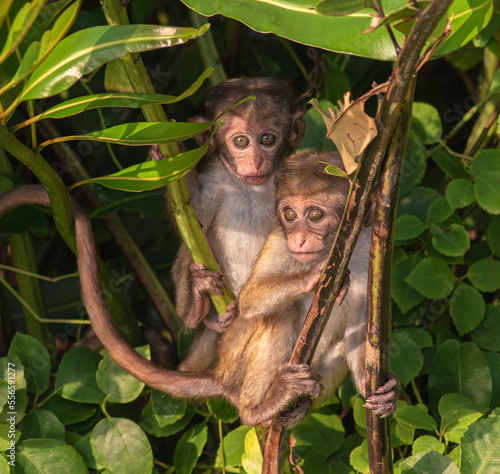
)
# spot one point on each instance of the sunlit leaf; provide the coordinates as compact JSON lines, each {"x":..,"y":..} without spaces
{"x":86,"y":50}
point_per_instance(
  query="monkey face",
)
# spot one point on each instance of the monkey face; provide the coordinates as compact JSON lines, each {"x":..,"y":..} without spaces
{"x":310,"y":226}
{"x":250,"y":149}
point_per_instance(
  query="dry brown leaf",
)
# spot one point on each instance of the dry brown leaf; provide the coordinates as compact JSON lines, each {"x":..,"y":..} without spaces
{"x":350,"y":128}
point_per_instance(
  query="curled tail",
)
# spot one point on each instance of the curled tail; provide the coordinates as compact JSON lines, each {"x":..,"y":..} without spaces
{"x":197,"y":386}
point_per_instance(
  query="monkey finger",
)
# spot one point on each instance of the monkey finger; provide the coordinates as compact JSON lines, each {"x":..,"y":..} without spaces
{"x":226,"y":319}
{"x":390,"y":386}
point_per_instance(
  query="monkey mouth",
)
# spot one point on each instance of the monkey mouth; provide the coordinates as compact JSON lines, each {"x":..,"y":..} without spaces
{"x":306,"y":257}
{"x":256,"y":180}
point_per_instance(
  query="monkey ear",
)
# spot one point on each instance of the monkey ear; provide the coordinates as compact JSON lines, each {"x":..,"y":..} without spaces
{"x":298,"y":129}
{"x":202,"y":137}
{"x":370,"y":214}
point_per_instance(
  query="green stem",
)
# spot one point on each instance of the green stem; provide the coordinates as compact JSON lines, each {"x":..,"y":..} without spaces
{"x":416,"y":392}
{"x":180,"y":197}
{"x":222,"y":454}
{"x":38,"y":276}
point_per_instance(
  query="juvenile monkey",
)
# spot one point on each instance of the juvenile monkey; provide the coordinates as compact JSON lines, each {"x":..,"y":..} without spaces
{"x":233,"y":195}
{"x":253,"y":370}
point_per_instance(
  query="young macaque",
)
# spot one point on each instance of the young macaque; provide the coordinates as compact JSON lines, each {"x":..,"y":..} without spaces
{"x":255,"y":350}
{"x":253,"y":371}
{"x":233,"y":195}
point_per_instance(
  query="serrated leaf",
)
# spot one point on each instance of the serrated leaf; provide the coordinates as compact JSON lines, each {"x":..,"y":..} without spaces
{"x":86,"y":50}
{"x":151,"y":174}
{"x":432,"y":278}
{"x":119,"y":385}
{"x":485,"y":274}
{"x":493,"y":235}
{"x":76,"y":376}
{"x":439,"y":211}
{"x":452,"y":242}
{"x":149,"y":422}
{"x":460,"y":368}
{"x":121,"y":446}
{"x":35,"y":359}
{"x":416,"y":417}
{"x":406,"y":367}
{"x":426,"y":444}
{"x":189,"y":448}
{"x":408,"y":227}
{"x":166,"y":409}
{"x":460,"y":193}
{"x":42,"y":424}
{"x":486,"y":161}
{"x":487,"y":191}
{"x":487,"y":334}
{"x":426,"y":123}
{"x":223,"y":410}
{"x":480,"y":447}
{"x":47,"y":456}
{"x":467,"y":308}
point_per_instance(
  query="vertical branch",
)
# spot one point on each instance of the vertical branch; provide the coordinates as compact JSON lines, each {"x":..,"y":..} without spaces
{"x":379,"y":297}
{"x":387,"y":119}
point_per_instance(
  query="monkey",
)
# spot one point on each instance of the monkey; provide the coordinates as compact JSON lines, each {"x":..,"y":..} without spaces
{"x":253,"y":371}
{"x":233,"y":195}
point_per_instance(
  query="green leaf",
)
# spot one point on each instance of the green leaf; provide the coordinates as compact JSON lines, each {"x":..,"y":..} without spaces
{"x":86,"y":50}
{"x":35,"y":359}
{"x":460,"y":368}
{"x":406,"y":367}
{"x":429,"y":462}
{"x":486,"y":161}
{"x":487,"y":334}
{"x":417,"y":202}
{"x":487,"y":191}
{"x":467,"y":308}
{"x":416,"y":418}
{"x":150,"y":421}
{"x":315,"y":134}
{"x":359,"y":458}
{"x":426,"y":444}
{"x":4,"y":10}
{"x":21,"y":24}
{"x":320,"y":432}
{"x":480,"y":447}
{"x":76,"y":376}
{"x":450,"y":164}
{"x":233,"y":447}
{"x":47,"y":456}
{"x":223,"y":410}
{"x":439,"y":211}
{"x":140,"y":133}
{"x":432,"y":278}
{"x":493,"y":235}
{"x":485,"y":274}
{"x":166,"y":409}
{"x":189,"y":448}
{"x":69,"y":412}
{"x":121,"y":446}
{"x":151,"y":174}
{"x":426,"y":123}
{"x":460,"y":193}
{"x":296,"y":20}
{"x":120,"y":99}
{"x":453,"y":242}
{"x":457,"y":414}
{"x":12,"y":369}
{"x":408,"y":227}
{"x":84,"y":448}
{"x":42,"y":424}
{"x":118,"y":384}
{"x":414,"y":164}
{"x":341,"y":7}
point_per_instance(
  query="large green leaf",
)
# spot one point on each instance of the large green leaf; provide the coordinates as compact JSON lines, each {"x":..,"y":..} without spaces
{"x":481,"y":447}
{"x":433,"y":278}
{"x":298,"y":21}
{"x":86,"y":50}
{"x":189,"y":448}
{"x":467,"y":308}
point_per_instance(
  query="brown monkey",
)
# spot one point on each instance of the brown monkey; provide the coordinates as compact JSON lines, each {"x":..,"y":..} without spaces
{"x":253,"y":372}
{"x":233,"y":195}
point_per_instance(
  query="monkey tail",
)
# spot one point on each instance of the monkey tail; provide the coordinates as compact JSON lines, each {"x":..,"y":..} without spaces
{"x":197,"y":386}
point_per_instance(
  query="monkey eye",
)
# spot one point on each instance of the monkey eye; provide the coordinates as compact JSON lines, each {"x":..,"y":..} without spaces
{"x":289,"y":214}
{"x":241,"y":141}
{"x":315,"y":214}
{"x":267,"y":139}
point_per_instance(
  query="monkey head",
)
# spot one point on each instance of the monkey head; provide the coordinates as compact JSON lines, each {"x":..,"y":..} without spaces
{"x":310,"y":203}
{"x":259,"y":132}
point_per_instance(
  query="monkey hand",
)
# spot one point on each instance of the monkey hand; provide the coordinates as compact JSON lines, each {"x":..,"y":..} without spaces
{"x":226,"y":319}
{"x":202,"y":282}
{"x":311,"y":278}
{"x":384,"y":401}
{"x":344,"y":288}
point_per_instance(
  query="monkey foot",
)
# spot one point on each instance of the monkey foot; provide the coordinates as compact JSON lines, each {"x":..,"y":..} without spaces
{"x":385,"y":399}
{"x":297,"y":414}
{"x":298,"y":380}
{"x":226,"y":319}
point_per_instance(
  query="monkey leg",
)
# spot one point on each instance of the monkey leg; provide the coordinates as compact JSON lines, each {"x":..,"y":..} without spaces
{"x":385,"y":399}
{"x":290,"y":382}
{"x":202,"y":353}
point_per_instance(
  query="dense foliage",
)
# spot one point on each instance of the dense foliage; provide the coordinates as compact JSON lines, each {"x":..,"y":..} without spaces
{"x":71,"y":406}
